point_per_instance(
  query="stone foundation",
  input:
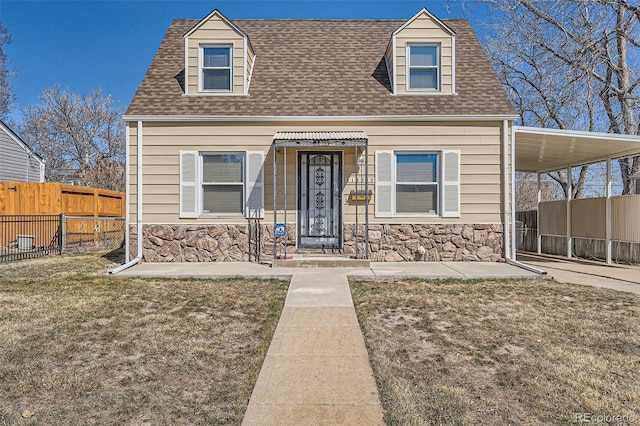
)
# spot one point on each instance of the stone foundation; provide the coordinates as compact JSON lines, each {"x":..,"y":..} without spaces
{"x":401,"y":243}
{"x":387,"y":243}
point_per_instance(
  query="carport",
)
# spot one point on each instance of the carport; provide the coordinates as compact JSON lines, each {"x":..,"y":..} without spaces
{"x":607,"y":220}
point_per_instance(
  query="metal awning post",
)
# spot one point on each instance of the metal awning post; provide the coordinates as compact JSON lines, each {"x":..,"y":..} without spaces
{"x":286,"y":231}
{"x":275,"y":201}
{"x":355,"y":231}
{"x":366,"y":204}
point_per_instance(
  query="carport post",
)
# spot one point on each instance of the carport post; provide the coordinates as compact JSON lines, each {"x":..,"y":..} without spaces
{"x":608,"y":211}
{"x":569,"y":196}
{"x":538,"y":230}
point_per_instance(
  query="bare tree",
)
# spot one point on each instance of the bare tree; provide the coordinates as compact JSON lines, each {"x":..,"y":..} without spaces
{"x":6,"y":94}
{"x":81,"y":137}
{"x":570,"y":64}
{"x":527,"y":191}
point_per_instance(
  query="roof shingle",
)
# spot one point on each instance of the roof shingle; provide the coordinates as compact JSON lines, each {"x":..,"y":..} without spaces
{"x":320,"y":68}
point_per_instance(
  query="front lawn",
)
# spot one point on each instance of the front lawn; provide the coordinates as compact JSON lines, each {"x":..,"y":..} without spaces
{"x":80,"y":348}
{"x":501,"y":352}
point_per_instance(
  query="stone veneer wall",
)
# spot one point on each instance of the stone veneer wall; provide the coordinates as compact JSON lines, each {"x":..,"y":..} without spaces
{"x":397,"y":243}
{"x":388,"y":243}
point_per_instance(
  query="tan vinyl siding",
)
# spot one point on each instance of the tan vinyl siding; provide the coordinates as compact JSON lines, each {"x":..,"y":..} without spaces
{"x":390,"y":62}
{"x":216,"y":31}
{"x":479,"y":144}
{"x":251,"y":57}
{"x":424,"y":30}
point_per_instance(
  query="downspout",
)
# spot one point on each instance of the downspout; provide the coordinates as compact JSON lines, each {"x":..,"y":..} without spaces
{"x":505,"y":186}
{"x":513,"y":195}
{"x":509,"y":225}
{"x":138,"y":258}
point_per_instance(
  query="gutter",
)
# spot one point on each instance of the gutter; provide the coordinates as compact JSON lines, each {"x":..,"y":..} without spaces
{"x":138,"y":258}
{"x":276,"y":119}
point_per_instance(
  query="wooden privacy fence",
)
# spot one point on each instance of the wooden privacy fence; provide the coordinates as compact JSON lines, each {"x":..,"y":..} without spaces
{"x":588,"y":231}
{"x":22,"y":198}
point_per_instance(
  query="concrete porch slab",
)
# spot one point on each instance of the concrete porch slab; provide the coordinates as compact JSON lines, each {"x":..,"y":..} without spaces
{"x":376,"y":270}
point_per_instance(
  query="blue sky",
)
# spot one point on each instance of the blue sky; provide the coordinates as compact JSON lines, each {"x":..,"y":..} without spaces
{"x":85,"y":45}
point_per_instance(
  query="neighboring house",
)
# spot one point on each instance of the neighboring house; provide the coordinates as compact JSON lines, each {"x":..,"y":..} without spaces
{"x":18,"y":162}
{"x":299,"y":122}
{"x":635,"y":184}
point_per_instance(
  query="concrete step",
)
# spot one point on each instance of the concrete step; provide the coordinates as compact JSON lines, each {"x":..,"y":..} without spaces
{"x":321,"y":262}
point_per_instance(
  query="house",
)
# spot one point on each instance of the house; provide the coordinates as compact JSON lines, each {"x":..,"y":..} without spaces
{"x":635,"y":184}
{"x":18,"y":162}
{"x":388,"y":140}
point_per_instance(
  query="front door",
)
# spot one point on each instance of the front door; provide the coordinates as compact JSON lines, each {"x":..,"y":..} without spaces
{"x":319,"y":199}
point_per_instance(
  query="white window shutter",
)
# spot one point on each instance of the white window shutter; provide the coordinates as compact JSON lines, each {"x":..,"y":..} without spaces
{"x":254,"y":202}
{"x":188,"y":184}
{"x":384,"y":184}
{"x":451,"y":184}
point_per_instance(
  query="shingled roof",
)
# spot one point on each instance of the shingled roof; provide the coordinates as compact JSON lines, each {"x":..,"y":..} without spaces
{"x":320,"y":68}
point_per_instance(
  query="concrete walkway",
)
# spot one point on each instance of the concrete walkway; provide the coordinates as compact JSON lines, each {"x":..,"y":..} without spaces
{"x":616,"y":277}
{"x":317,"y":369}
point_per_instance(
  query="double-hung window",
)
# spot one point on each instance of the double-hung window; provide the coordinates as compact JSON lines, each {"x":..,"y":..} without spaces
{"x":416,"y":183}
{"x":223,"y":183}
{"x":215,"y":68}
{"x":423,"y":66}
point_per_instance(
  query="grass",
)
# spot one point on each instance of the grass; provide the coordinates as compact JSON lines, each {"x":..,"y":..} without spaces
{"x":501,"y":352}
{"x":80,"y":348}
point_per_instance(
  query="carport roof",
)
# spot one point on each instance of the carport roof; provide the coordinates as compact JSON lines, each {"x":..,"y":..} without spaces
{"x":543,"y":150}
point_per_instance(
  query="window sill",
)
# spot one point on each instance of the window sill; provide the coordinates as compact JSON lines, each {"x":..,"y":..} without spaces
{"x":424,"y":93}
{"x":221,"y":215}
{"x":199,"y":94}
{"x":430,"y":216}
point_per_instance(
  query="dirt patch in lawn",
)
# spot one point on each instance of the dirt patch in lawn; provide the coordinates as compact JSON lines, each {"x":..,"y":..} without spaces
{"x":501,"y":352}
{"x":80,"y":348}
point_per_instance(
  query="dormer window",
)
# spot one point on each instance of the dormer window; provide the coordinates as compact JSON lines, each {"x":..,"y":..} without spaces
{"x":215,"y":68}
{"x":423,"y":66}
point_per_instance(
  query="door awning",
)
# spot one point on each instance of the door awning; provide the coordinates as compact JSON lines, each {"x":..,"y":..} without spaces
{"x":285,"y":139}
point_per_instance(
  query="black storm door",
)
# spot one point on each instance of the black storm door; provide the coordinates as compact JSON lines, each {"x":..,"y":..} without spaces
{"x":319,"y":199}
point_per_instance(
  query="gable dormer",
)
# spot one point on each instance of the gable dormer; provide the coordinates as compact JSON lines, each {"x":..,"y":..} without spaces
{"x":218,"y":58}
{"x":421,"y":57}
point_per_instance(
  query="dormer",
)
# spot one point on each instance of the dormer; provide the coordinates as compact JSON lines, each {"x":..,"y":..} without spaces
{"x":218,"y":58}
{"x":421,"y":57}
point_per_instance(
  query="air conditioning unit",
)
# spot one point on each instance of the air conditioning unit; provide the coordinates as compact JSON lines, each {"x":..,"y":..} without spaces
{"x":25,"y":242}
